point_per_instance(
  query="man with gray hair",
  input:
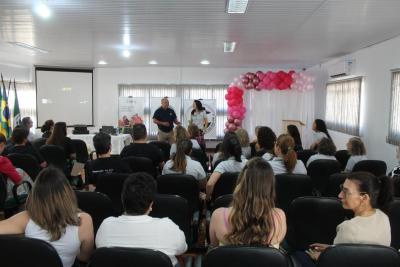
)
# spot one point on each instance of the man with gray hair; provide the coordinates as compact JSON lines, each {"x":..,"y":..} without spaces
{"x":165,"y":118}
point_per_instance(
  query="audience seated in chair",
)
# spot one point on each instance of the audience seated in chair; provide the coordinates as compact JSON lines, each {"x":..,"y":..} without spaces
{"x":252,"y":220}
{"x":59,"y":138}
{"x":233,"y":161}
{"x":293,"y":131}
{"x":135,"y":228}
{"x":6,"y":167}
{"x":196,"y":136}
{"x":286,"y":158}
{"x":320,"y":131}
{"x":357,"y":150}
{"x":244,"y":142}
{"x":266,"y":139}
{"x":369,"y":197}
{"x":140,"y":147}
{"x":27,"y":123}
{"x":52,"y":215}
{"x":180,"y":133}
{"x":47,"y":128}
{"x":104,"y":162}
{"x":20,"y":145}
{"x":326,"y":150}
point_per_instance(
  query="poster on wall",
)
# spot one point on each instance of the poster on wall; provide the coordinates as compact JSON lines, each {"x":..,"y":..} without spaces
{"x":130,"y":111}
{"x":155,"y":103}
{"x":210,"y":105}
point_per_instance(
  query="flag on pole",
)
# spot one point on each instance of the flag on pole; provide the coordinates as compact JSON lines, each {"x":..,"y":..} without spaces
{"x":16,"y":112}
{"x":5,"y":123}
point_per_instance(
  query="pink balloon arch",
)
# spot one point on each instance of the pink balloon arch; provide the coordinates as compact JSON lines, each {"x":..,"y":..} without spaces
{"x":280,"y":80}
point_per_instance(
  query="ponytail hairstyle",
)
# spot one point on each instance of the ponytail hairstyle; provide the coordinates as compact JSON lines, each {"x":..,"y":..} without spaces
{"x":379,"y":189}
{"x":320,"y":126}
{"x":183,"y":148}
{"x":286,"y":144}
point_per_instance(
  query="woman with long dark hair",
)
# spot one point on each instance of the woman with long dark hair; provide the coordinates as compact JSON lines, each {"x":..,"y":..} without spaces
{"x":198,"y":117}
{"x":320,"y":131}
{"x":47,"y":127}
{"x":265,"y":143}
{"x":293,"y":131}
{"x":253,"y":218}
{"x":59,"y":138}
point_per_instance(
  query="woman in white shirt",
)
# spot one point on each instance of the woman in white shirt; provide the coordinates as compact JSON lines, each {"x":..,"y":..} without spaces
{"x":180,"y":133}
{"x":198,"y":116}
{"x":357,"y":150}
{"x":52,"y":215}
{"x":286,"y":157}
{"x":320,"y":131}
{"x":369,"y":197}
{"x":326,"y":150}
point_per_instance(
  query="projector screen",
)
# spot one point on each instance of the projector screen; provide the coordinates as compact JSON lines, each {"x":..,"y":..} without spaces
{"x":64,"y":95}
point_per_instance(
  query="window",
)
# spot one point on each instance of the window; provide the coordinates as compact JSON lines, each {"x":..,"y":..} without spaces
{"x":26,"y":100}
{"x":394,"y":119}
{"x":343,"y":106}
{"x":185,"y":92}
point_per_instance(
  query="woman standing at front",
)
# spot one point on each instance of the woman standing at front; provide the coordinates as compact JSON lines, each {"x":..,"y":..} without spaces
{"x":198,"y":117}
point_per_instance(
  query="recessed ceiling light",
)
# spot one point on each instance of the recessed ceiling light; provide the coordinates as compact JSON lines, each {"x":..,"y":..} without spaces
{"x":236,"y":6}
{"x":153,"y":62}
{"x":205,"y":62}
{"x":126,"y":53}
{"x":229,"y":47}
{"x":30,"y":47}
{"x":42,"y":10}
{"x":102,"y":62}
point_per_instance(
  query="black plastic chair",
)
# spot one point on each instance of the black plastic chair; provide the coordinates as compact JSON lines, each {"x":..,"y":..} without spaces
{"x":55,"y":156}
{"x":376,"y":167}
{"x":334,"y":182}
{"x":98,"y":205}
{"x":396,"y":186}
{"x":177,"y":209}
{"x":111,"y":184}
{"x":141,"y":164}
{"x":17,"y":251}
{"x":313,"y":220}
{"x":394,"y":217}
{"x":357,"y":255}
{"x":342,"y":156}
{"x":304,"y":155}
{"x":15,"y":204}
{"x":320,"y":170}
{"x":289,"y":187}
{"x":225,"y":185}
{"x":82,"y":154}
{"x":224,"y":201}
{"x":239,"y":256}
{"x":165,"y":148}
{"x":200,"y":156}
{"x":38,"y":143}
{"x":26,"y":162}
{"x":132,"y":257}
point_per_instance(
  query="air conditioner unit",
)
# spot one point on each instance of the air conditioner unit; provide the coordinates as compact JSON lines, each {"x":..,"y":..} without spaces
{"x":341,"y":68}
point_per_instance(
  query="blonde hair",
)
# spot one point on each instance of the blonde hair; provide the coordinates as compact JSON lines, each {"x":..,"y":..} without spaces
{"x":243,"y":137}
{"x":52,"y":203}
{"x":357,"y":146}
{"x":180,"y":134}
{"x":286,"y":144}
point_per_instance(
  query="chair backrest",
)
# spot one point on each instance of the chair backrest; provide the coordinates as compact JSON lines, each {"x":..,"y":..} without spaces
{"x":304,"y":155}
{"x":394,"y":217}
{"x":17,"y":251}
{"x":82,"y":154}
{"x":3,"y":191}
{"x":141,"y":164}
{"x":185,"y":186}
{"x":177,"y":209}
{"x":396,"y":185}
{"x":200,"y":156}
{"x":98,"y":205}
{"x":111,"y":184}
{"x":222,"y":202}
{"x":376,"y":167}
{"x":289,"y":187}
{"x":133,"y":257}
{"x":54,"y":155}
{"x":358,"y":255}
{"x":313,"y":220}
{"x":38,"y":143}
{"x":26,"y":162}
{"x":320,"y":170}
{"x":239,"y":256}
{"x":225,"y":184}
{"x":342,"y":156}
{"x":334,"y":182}
{"x":165,"y":148}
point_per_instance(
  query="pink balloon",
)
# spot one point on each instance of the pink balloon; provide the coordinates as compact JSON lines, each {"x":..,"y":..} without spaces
{"x":256,"y":81}
{"x":235,"y":114}
{"x":245,"y":81}
{"x":231,"y":119}
{"x":226,"y":130}
{"x":251,"y":85}
{"x":237,"y":122}
{"x":232,"y":127}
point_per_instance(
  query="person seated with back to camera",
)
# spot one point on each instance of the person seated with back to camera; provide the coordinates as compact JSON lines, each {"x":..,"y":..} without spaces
{"x":59,"y":138}
{"x":357,"y":151}
{"x":369,"y":197}
{"x":47,"y":128}
{"x":244,"y":142}
{"x":140,"y":147}
{"x":320,"y":131}
{"x":326,"y":150}
{"x":104,"y":163}
{"x":135,"y":228}
{"x":180,"y":133}
{"x":266,"y":139}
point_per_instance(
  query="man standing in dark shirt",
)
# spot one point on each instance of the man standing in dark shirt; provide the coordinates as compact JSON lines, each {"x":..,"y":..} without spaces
{"x":104,"y":162}
{"x":165,"y":118}
{"x":140,"y":147}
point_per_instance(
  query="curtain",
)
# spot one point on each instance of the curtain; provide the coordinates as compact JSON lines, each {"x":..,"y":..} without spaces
{"x":343,"y":106}
{"x":26,"y":99}
{"x":394,"y":120}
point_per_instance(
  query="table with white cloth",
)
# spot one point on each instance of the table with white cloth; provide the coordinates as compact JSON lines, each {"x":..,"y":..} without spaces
{"x":118,"y":142}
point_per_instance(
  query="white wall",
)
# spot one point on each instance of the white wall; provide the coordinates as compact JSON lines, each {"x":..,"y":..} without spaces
{"x":18,"y":72}
{"x":374,"y":64}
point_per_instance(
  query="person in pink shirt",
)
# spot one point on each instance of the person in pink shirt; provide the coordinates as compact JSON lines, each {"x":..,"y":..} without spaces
{"x":6,"y":167}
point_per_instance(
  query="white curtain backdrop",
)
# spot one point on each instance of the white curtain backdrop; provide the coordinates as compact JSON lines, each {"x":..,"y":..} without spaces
{"x":269,"y":108}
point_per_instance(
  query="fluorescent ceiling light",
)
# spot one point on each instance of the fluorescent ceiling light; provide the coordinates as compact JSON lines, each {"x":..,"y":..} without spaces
{"x":229,"y":47}
{"x":153,"y":62}
{"x":126,"y":53}
{"x":42,"y":10}
{"x":30,"y":47}
{"x":205,"y":62}
{"x":102,"y":62}
{"x":66,"y":89}
{"x":84,"y":102}
{"x":236,"y":6}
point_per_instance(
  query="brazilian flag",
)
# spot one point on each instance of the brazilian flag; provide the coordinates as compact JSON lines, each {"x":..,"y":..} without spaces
{"x":5,"y":122}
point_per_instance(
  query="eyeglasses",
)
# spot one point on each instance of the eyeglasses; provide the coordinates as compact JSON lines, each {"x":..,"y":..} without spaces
{"x":347,"y":192}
